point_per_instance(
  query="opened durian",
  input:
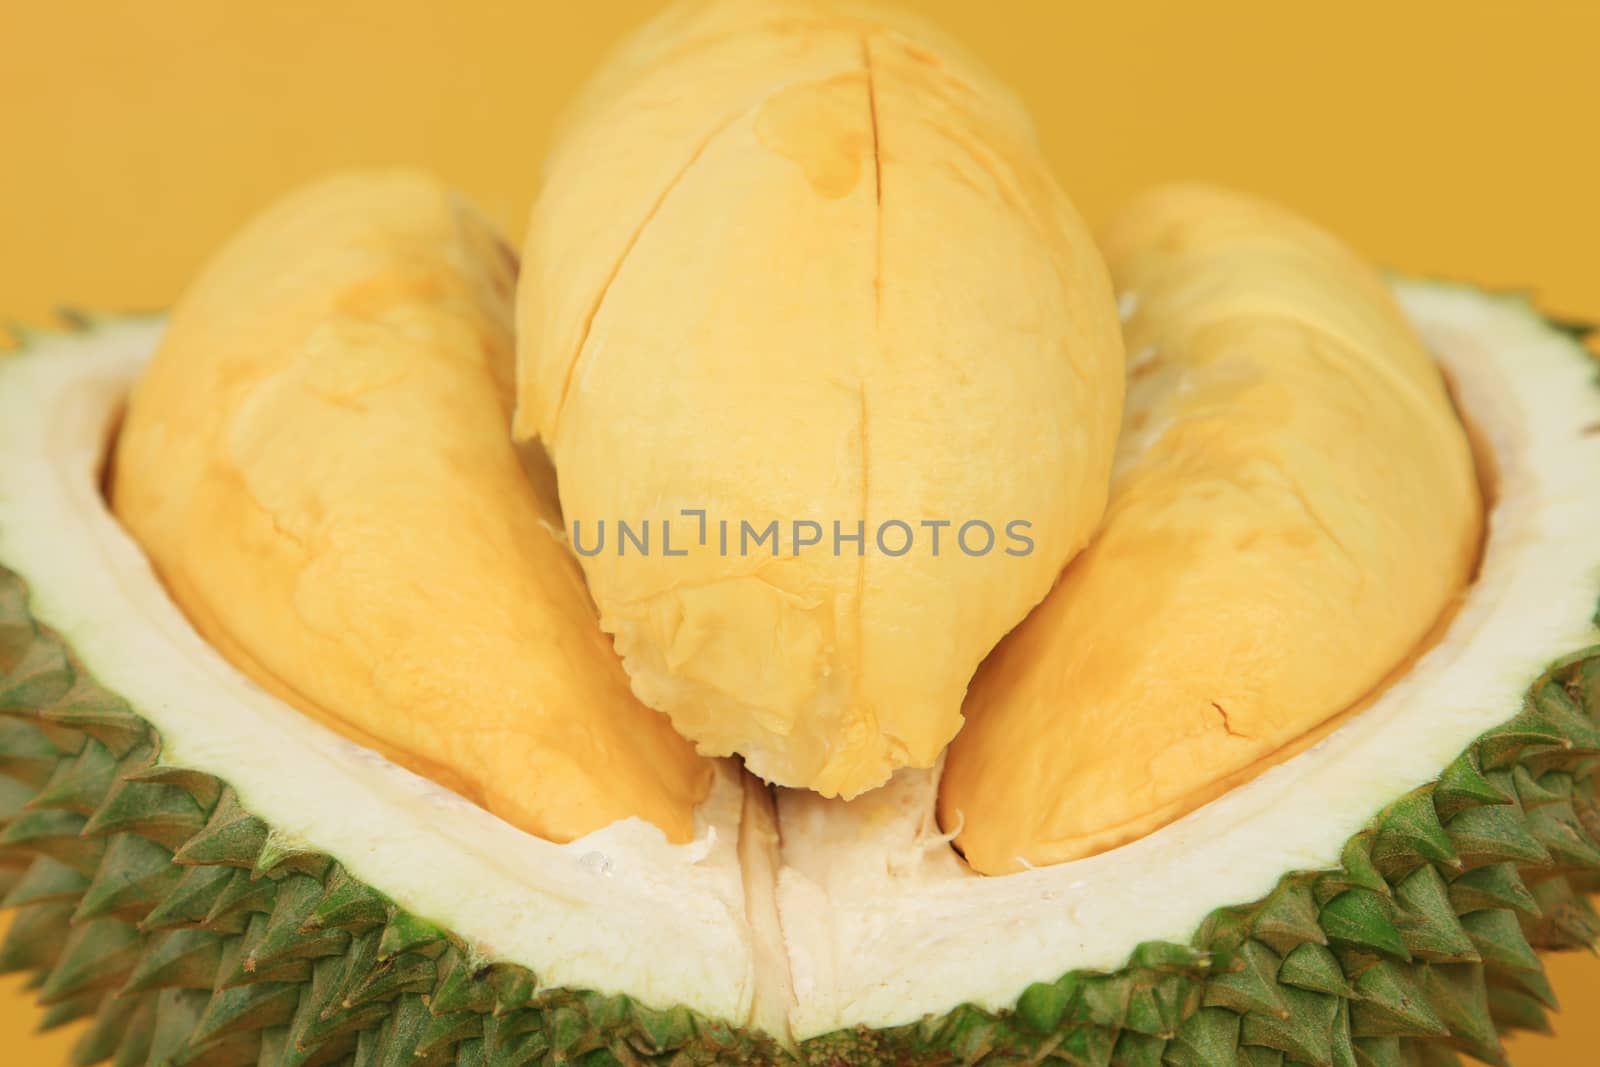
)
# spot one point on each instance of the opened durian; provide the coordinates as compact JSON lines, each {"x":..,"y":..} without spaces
{"x":329,"y":736}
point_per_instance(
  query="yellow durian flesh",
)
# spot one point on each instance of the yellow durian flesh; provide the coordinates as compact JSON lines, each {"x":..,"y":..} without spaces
{"x":795,"y":262}
{"x":318,"y":462}
{"x":1294,"y":508}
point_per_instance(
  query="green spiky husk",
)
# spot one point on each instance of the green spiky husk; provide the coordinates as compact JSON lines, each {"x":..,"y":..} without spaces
{"x":149,"y":899}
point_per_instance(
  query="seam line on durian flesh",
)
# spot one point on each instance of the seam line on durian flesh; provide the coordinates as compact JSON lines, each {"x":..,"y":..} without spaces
{"x":548,"y":433}
{"x":877,"y":331}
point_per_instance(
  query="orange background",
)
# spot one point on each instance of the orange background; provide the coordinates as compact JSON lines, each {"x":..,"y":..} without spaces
{"x":1454,"y":138}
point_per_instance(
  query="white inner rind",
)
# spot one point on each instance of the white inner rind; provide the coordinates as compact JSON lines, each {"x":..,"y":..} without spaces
{"x":881,"y":923}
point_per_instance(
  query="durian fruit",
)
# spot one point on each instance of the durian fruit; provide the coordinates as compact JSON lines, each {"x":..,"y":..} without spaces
{"x":214,"y":877}
{"x":1294,"y":510}
{"x":801,"y":266}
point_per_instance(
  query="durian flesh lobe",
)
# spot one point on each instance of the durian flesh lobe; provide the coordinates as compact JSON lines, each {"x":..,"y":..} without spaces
{"x":1294,"y":508}
{"x":318,"y":465}
{"x":378,"y":935}
{"x":799,"y":261}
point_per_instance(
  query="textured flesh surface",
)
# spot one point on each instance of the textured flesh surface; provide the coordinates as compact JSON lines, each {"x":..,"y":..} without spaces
{"x":1411,"y":923}
{"x":793,"y":262}
{"x":318,"y":462}
{"x":1294,"y":508}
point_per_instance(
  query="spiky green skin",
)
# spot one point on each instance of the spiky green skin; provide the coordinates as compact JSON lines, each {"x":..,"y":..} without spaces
{"x":151,"y":900}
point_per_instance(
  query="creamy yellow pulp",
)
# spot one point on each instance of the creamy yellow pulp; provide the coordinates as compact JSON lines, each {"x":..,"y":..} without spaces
{"x":1293,"y":508}
{"x":319,"y":463}
{"x":804,"y":261}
